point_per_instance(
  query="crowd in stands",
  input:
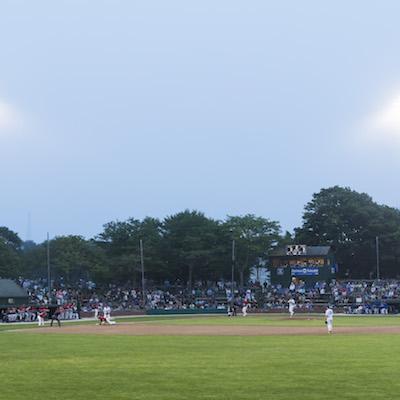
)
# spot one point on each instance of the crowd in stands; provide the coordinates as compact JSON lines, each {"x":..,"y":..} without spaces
{"x":365,"y":297}
{"x":360,"y":297}
{"x":89,"y":297}
{"x":40,"y":301}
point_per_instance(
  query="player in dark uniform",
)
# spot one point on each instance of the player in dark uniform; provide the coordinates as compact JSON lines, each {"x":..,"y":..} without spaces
{"x":56,"y":317}
{"x":234,"y":310}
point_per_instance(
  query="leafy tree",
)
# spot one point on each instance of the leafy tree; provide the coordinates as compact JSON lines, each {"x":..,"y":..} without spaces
{"x":120,"y":241}
{"x":10,"y":257}
{"x":10,"y":238}
{"x":190,"y":240}
{"x":10,"y":262}
{"x":150,"y":232}
{"x":285,"y":239}
{"x":34,"y":260}
{"x":350,"y":222}
{"x":72,"y":257}
{"x":254,"y":238}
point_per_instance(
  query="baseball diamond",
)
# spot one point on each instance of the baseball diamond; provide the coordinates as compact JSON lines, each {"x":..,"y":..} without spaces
{"x":187,"y":357}
{"x":199,"y":200}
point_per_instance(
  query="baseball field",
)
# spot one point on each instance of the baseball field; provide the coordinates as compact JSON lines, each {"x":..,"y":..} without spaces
{"x":257,"y":357}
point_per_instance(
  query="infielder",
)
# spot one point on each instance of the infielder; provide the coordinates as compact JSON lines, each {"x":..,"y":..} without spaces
{"x":96,"y":311}
{"x":292,"y":306}
{"x":244,"y":309}
{"x":329,"y":318}
{"x":103,"y":320}
{"x":107,"y":311}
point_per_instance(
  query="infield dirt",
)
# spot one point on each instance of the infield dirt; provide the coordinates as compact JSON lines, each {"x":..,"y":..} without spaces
{"x":137,"y":329}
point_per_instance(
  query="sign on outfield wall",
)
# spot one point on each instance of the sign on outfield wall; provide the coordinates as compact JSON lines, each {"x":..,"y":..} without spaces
{"x":305,"y":271}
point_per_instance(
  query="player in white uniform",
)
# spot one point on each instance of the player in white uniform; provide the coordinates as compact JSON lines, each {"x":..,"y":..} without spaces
{"x":96,"y":312}
{"x":244,"y":309}
{"x":41,"y":317}
{"x":107,"y":315}
{"x":107,"y":311}
{"x":292,"y":306}
{"x":329,"y":319}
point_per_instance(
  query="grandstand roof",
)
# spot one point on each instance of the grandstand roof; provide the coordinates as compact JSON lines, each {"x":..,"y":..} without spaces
{"x":9,"y":288}
{"x":312,"y":251}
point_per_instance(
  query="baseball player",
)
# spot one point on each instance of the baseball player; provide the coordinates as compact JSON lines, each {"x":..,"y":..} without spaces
{"x":292,"y":306}
{"x":103,"y":319}
{"x":107,"y":311}
{"x":96,"y":311}
{"x":244,"y":309}
{"x":41,"y":316}
{"x":329,"y":318}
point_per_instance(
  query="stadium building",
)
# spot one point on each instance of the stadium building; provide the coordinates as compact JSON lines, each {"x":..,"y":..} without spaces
{"x":307,"y":263}
{"x":11,"y":295}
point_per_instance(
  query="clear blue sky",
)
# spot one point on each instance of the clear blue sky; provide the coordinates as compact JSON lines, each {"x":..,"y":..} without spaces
{"x":112,"y":109}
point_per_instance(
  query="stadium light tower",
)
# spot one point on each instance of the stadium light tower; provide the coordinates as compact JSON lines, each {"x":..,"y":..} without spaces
{"x":378,"y":273}
{"x":142,"y":267}
{"x":233,"y":266}
{"x":48,"y":265}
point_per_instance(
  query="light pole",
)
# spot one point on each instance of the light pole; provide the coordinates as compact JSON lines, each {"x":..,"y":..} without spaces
{"x":233,"y":263}
{"x":48,"y":265}
{"x":378,"y":274}
{"x":142,"y":265}
{"x":233,"y":267}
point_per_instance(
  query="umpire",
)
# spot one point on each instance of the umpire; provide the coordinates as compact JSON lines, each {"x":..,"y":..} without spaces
{"x":56,"y":317}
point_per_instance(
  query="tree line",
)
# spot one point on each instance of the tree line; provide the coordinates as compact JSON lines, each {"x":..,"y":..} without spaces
{"x":189,"y":246}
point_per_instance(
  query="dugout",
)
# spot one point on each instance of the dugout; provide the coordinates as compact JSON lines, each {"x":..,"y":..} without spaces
{"x":310,"y":264}
{"x":11,"y":294}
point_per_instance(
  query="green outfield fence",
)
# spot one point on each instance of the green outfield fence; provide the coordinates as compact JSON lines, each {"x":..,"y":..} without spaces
{"x":187,"y":311}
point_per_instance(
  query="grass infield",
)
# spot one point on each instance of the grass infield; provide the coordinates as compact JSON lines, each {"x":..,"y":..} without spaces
{"x":79,"y":367}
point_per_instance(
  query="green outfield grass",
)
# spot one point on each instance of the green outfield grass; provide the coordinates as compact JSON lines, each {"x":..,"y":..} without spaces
{"x":123,"y":367}
{"x":82,"y":367}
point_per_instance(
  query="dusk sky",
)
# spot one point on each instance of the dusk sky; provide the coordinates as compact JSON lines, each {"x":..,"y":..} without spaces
{"x":118,"y":109}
